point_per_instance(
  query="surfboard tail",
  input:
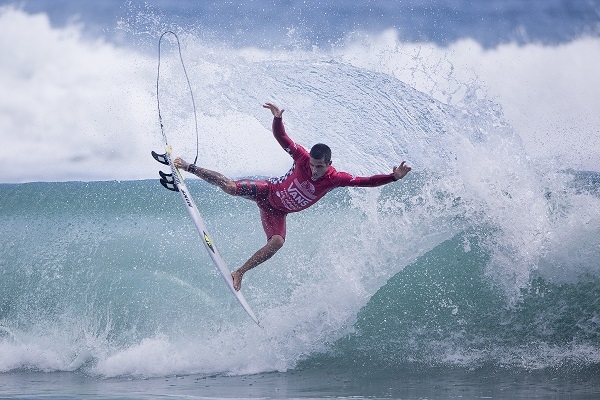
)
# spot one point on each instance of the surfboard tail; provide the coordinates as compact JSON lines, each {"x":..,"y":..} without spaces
{"x":167,"y":180}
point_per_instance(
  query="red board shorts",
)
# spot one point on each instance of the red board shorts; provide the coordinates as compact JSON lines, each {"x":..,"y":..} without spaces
{"x":273,"y":220}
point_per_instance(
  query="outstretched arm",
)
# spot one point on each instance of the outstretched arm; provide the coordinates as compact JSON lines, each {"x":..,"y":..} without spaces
{"x":375,"y":180}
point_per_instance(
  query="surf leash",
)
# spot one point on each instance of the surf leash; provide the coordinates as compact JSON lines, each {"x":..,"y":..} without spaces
{"x":162,"y":129}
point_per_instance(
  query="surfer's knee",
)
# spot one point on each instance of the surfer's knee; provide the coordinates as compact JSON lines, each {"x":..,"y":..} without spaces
{"x":229,"y":187}
{"x":276,"y":242}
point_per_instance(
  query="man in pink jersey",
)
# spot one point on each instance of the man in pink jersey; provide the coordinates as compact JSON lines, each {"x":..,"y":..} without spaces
{"x":309,"y":179}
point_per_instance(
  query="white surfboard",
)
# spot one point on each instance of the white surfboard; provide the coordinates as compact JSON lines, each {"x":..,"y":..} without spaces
{"x":175,"y":182}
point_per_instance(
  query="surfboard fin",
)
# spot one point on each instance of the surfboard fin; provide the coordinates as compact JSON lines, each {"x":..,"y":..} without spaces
{"x":168,"y":181}
{"x":167,"y":177}
{"x":161,"y":158}
{"x":169,"y":185}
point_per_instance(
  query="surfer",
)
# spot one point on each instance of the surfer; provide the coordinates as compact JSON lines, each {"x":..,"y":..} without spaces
{"x":309,"y":179}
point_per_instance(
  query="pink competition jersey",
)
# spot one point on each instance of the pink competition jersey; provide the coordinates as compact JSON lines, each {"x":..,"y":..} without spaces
{"x":297,"y":190}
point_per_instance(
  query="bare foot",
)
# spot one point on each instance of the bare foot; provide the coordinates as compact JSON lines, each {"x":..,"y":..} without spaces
{"x":237,"y":279}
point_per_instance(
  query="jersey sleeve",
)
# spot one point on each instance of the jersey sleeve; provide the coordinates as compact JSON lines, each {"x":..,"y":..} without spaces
{"x":284,"y":140}
{"x":345,"y":179}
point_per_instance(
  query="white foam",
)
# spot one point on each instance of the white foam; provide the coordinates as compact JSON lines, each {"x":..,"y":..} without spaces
{"x":547,"y":93}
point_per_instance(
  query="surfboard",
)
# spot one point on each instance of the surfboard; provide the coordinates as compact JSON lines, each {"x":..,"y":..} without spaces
{"x":175,"y":182}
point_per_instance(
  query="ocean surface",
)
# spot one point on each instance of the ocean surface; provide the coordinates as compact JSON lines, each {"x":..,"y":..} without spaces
{"x":477,"y":276}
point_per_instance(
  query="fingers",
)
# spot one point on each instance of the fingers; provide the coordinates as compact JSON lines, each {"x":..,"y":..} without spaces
{"x":179,"y":163}
{"x":274,"y":109}
{"x":401,"y":170}
{"x":271,"y":106}
{"x":404,"y":167}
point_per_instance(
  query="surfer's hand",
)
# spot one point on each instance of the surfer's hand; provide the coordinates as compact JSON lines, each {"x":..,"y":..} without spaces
{"x":181,"y":164}
{"x":401,"y":170}
{"x":274,"y":109}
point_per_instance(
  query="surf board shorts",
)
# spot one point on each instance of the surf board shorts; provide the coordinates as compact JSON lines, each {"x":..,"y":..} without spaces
{"x":273,"y":220}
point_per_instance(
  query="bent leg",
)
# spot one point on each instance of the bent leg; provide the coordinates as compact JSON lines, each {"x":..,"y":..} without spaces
{"x":273,"y":245}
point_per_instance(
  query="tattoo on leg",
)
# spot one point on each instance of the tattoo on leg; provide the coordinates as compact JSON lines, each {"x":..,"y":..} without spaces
{"x":212,"y":177}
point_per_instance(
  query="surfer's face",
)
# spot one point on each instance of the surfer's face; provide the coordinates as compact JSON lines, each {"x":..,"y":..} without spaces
{"x":318,"y":167}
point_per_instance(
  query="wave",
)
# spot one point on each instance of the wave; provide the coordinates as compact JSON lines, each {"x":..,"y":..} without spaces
{"x":114,"y":282}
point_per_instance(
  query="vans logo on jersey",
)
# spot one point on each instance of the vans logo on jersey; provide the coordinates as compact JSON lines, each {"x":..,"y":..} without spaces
{"x":298,"y":195}
{"x":305,"y":189}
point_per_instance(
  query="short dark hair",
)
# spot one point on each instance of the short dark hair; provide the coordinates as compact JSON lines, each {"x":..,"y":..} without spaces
{"x":321,"y":151}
